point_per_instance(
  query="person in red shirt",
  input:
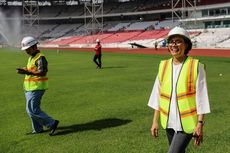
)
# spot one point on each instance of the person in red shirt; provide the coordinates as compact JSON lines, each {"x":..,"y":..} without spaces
{"x":97,"y":55}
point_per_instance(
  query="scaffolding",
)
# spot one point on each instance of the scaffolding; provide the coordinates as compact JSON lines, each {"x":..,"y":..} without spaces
{"x":3,"y":2}
{"x":183,"y":9}
{"x":30,"y":18}
{"x":93,"y":17}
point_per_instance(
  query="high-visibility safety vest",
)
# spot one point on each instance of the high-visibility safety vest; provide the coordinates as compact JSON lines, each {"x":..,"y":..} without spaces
{"x":185,"y":92}
{"x":32,"y":82}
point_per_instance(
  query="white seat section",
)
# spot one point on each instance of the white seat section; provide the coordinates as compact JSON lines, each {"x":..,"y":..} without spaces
{"x":166,"y":24}
{"x":224,"y":44}
{"x":212,"y":37}
{"x":141,"y":25}
{"x":119,"y":26}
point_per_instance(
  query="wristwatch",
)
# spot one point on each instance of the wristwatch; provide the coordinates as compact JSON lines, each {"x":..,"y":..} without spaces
{"x":201,"y":122}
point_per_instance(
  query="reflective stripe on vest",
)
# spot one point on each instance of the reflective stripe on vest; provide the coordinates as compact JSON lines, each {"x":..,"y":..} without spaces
{"x":32,"y":82}
{"x":185,"y":91}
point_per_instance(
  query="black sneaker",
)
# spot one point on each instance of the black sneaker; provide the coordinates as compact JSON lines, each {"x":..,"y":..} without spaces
{"x":53,"y":127}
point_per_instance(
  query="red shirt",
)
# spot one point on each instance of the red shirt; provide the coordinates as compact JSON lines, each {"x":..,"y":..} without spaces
{"x":97,"y":49}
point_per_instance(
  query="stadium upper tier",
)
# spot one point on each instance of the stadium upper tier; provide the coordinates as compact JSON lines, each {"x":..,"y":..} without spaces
{"x":59,"y":11}
{"x":47,"y":31}
{"x":209,"y":38}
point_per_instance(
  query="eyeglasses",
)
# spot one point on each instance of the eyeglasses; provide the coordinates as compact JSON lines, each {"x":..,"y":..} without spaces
{"x":176,"y":42}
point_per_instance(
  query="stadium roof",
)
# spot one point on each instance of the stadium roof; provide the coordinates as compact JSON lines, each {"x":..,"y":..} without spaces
{"x":55,"y":2}
{"x":80,"y":2}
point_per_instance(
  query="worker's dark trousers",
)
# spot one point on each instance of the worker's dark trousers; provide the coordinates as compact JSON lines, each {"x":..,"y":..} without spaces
{"x":177,"y":141}
{"x":97,"y":57}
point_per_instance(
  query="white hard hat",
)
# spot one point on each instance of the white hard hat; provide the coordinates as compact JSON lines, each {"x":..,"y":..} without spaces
{"x":97,"y":40}
{"x":179,"y":31}
{"x":27,"y":42}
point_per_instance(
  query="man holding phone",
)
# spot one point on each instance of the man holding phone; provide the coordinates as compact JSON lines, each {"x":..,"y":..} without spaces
{"x":35,"y":84}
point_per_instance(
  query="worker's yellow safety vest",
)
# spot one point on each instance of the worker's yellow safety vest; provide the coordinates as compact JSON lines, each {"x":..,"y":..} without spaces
{"x":32,"y":82}
{"x":185,"y":93}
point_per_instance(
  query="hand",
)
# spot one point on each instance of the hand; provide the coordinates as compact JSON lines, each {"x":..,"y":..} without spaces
{"x":22,"y":71}
{"x":154,"y":130}
{"x":198,"y":135}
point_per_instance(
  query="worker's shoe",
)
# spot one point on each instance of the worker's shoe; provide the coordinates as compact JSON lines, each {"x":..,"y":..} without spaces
{"x":34,"y":132}
{"x":53,"y":127}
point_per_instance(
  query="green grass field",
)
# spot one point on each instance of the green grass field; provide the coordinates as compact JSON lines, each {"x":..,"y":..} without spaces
{"x":102,"y":111}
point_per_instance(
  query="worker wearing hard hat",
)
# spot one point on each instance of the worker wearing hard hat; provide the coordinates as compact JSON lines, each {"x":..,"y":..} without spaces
{"x":97,"y":56}
{"x":35,"y":84}
{"x":179,"y":96}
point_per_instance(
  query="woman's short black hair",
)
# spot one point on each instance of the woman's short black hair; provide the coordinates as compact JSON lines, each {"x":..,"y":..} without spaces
{"x":189,"y":43}
{"x":186,"y":40}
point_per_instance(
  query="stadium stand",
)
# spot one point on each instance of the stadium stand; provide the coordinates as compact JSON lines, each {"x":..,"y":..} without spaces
{"x":119,"y":27}
{"x":212,"y":37}
{"x":166,"y":24}
{"x":50,"y":11}
{"x":151,"y":34}
{"x":129,"y":22}
{"x":124,"y":7}
{"x":140,"y":25}
{"x":224,"y":44}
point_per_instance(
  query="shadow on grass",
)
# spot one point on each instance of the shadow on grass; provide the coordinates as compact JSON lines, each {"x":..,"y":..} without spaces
{"x":95,"y":125}
{"x":113,"y":67}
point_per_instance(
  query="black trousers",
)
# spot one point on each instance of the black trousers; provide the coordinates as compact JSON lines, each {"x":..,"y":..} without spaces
{"x":177,"y":141}
{"x":97,"y":57}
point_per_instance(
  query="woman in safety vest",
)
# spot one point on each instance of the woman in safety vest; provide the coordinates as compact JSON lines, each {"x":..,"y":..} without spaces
{"x":35,"y":84}
{"x":179,"y":96}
